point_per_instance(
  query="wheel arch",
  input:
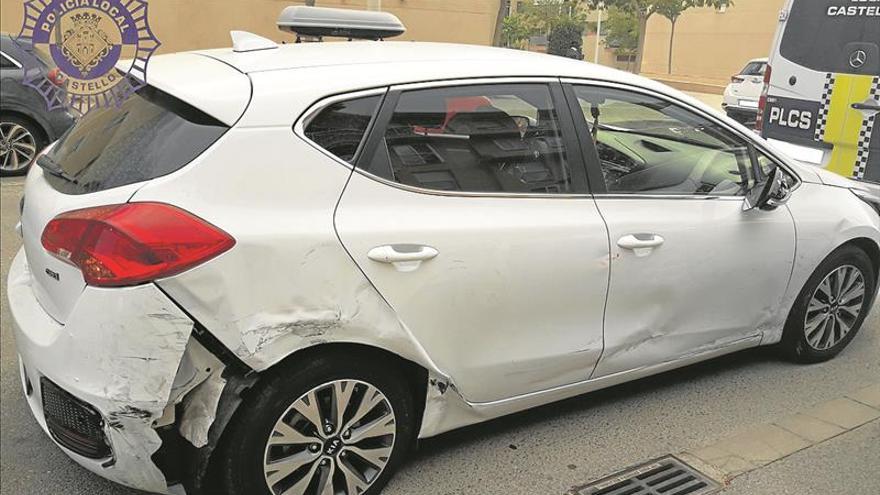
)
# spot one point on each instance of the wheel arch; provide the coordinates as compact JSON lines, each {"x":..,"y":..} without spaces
{"x":870,"y":247}
{"x":15,"y":112}
{"x":415,"y":375}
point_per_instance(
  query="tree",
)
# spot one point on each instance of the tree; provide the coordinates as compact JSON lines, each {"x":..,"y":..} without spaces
{"x":567,"y":39}
{"x":643,"y":10}
{"x":535,"y":17}
{"x":672,"y":10}
{"x":621,"y":30}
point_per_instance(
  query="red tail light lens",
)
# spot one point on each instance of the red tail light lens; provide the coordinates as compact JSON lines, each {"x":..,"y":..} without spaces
{"x":132,"y":243}
{"x":762,"y":102}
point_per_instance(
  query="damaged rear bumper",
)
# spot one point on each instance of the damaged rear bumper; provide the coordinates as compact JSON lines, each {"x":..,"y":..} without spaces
{"x":116,"y":359}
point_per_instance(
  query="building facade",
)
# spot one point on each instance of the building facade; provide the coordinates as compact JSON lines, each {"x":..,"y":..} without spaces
{"x":710,"y":45}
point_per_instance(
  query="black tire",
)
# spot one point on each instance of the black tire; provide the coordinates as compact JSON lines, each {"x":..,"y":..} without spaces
{"x":795,"y":344}
{"x":239,"y":461}
{"x":35,"y":130}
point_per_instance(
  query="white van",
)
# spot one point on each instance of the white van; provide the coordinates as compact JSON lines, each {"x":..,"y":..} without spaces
{"x":822,"y":88}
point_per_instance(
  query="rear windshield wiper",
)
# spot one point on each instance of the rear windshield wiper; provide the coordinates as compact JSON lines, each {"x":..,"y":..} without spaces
{"x":52,"y":167}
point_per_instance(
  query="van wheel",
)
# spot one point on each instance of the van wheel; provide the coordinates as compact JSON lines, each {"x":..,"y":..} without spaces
{"x":20,"y":141}
{"x":831,"y":307}
{"x":335,"y":425}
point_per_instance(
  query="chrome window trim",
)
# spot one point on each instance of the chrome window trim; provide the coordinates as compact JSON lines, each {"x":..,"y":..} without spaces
{"x":478,"y":81}
{"x":300,"y":125}
{"x":7,"y":57}
{"x":759,"y":146}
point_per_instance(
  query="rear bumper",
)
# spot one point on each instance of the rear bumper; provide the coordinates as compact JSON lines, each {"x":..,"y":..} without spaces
{"x":118,"y":353}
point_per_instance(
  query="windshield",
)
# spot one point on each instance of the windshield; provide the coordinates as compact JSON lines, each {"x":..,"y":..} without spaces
{"x":846,"y":27}
{"x":149,"y":135}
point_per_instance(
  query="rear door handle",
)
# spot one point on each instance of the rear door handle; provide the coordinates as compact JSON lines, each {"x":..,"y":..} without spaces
{"x":641,"y":244}
{"x":404,"y":257}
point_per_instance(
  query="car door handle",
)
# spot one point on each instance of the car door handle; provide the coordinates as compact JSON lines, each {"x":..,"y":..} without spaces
{"x":866,"y":106}
{"x":641,"y":244}
{"x":404,"y":257}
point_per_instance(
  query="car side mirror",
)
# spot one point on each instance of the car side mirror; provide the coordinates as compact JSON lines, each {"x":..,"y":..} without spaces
{"x":769,"y":193}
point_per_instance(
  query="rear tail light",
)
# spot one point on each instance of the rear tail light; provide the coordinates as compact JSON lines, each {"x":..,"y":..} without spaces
{"x":56,"y":77}
{"x":737,"y":79}
{"x":132,"y":243}
{"x":762,"y":102}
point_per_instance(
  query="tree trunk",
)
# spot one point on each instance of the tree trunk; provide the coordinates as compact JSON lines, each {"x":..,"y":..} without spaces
{"x":671,"y":41}
{"x":640,"y":50}
{"x":499,"y":22}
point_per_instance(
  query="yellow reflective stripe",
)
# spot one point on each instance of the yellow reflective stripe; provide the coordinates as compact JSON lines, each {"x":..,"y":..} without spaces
{"x":844,"y":122}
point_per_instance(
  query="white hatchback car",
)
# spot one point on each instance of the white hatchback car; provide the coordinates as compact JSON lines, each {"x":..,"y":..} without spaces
{"x":743,"y":94}
{"x":274,"y":268}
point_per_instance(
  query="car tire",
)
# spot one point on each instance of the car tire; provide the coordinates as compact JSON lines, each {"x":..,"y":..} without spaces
{"x":244,"y":461}
{"x":820,"y":326}
{"x":28,"y":132}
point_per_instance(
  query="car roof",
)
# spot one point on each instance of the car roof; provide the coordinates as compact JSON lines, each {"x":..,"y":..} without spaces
{"x":364,"y":53}
{"x":288,"y":79}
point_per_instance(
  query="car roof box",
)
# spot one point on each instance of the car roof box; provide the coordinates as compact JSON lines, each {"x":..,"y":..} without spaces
{"x":343,"y":23}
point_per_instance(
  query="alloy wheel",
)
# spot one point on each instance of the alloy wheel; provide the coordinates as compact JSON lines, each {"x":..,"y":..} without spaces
{"x":335,"y":439}
{"x":18,"y":147}
{"x":835,"y":307}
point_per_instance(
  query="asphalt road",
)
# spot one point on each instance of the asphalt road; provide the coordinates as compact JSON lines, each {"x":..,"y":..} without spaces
{"x":548,"y":450}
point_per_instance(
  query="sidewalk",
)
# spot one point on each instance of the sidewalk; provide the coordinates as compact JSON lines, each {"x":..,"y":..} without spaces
{"x":844,"y":465}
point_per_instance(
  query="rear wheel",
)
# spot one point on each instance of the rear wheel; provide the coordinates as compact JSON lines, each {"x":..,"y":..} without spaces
{"x":831,"y":307}
{"x":20,"y":141}
{"x":331,"y":427}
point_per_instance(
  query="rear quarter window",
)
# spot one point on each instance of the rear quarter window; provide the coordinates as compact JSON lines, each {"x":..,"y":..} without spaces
{"x":823,"y":34}
{"x":340,"y":127}
{"x":149,"y":135}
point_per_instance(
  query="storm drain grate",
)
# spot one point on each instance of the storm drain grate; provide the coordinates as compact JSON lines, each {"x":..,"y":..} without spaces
{"x":665,"y":476}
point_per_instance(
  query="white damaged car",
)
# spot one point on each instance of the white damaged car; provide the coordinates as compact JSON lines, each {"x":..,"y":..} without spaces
{"x":274,"y":268}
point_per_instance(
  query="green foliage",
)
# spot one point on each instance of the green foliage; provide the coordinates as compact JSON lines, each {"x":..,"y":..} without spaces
{"x":621,"y":31}
{"x":646,"y":8}
{"x":539,"y":17}
{"x":566,"y":39}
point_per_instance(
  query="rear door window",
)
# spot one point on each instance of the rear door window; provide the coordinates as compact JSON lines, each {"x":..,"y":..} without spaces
{"x":149,"y":135}
{"x":495,"y":138}
{"x":823,"y":35}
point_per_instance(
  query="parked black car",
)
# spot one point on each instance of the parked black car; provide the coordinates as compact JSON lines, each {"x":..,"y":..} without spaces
{"x":26,"y":123}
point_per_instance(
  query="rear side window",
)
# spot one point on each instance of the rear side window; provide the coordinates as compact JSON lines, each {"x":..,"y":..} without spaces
{"x":754,"y":69}
{"x":149,"y":135}
{"x":823,"y":35}
{"x":340,"y":127}
{"x":485,"y":138}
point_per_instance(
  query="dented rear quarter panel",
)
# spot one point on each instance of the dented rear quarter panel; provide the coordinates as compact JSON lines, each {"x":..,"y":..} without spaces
{"x":287,"y":284}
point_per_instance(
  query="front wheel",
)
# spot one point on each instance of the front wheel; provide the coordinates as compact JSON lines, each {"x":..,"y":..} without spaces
{"x":831,"y":307}
{"x":334,"y":426}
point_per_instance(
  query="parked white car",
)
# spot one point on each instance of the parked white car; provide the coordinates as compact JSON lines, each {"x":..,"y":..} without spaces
{"x":742,"y":95}
{"x":275,"y":267}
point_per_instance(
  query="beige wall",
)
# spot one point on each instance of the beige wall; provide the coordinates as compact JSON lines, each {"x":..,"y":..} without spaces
{"x":713,"y":45}
{"x":191,"y":24}
{"x":709,"y":45}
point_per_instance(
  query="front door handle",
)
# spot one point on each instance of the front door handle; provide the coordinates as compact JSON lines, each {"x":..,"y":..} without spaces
{"x":641,"y":244}
{"x":404,"y":257}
